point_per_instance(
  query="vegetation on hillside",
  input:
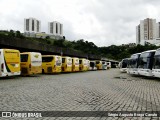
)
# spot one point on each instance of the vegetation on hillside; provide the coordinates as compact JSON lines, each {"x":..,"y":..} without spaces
{"x":111,"y":52}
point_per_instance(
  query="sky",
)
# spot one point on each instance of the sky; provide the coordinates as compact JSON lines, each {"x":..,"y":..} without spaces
{"x":103,"y":22}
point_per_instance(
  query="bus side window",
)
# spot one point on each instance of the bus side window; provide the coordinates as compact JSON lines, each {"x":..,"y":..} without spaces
{"x":24,"y":57}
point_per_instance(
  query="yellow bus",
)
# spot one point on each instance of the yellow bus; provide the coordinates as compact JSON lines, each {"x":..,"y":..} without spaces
{"x":51,"y":63}
{"x":31,"y":63}
{"x":75,"y":64}
{"x":99,"y":64}
{"x":66,"y":64}
{"x":9,"y":62}
{"x":83,"y":64}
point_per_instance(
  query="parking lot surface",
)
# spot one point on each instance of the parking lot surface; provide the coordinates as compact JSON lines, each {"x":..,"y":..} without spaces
{"x":105,"y":90}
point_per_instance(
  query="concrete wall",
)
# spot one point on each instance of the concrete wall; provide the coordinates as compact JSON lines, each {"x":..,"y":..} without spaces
{"x":28,"y":45}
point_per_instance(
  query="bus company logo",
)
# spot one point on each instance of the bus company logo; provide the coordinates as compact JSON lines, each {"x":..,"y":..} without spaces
{"x":58,"y":58}
{"x":76,"y":60}
{"x":6,"y":114}
{"x":36,"y":55}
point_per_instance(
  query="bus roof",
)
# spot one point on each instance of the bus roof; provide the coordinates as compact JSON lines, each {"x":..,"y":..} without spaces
{"x":157,"y":52}
{"x":126,"y":59}
{"x":30,"y":53}
{"x":149,"y":51}
{"x":135,"y":55}
{"x":9,"y":50}
{"x":75,"y":58}
{"x":50,"y":55}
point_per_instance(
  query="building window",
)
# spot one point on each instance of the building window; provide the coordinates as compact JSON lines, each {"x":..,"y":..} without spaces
{"x":159,"y":30}
{"x":51,"y":27}
{"x":56,"y":28}
{"x":37,"y":26}
{"x":32,"y":25}
{"x":27,"y":24}
{"x":60,"y":29}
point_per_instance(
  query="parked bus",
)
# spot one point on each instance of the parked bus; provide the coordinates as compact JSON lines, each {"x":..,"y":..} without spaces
{"x":51,"y":63}
{"x":124,"y":65}
{"x":31,"y":63}
{"x":83,"y":64}
{"x":92,"y":65}
{"x":146,"y":63}
{"x":104,"y":65}
{"x":156,"y":64}
{"x":99,"y":64}
{"x":66,"y":64}
{"x":133,"y":65}
{"x":75,"y":64}
{"x":9,"y":62}
{"x":108,"y":65}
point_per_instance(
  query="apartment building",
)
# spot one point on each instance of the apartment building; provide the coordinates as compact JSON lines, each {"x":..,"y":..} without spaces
{"x":32,"y":25}
{"x":55,"y":28}
{"x":146,"y":31}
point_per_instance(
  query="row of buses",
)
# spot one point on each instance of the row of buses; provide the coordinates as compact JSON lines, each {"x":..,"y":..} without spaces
{"x":12,"y":62}
{"x":146,"y":63}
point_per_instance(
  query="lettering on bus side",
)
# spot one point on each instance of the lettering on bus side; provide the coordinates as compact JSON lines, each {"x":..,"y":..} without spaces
{"x":10,"y":52}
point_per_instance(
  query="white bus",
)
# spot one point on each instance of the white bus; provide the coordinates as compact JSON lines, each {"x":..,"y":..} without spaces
{"x":156,"y":64}
{"x":133,"y":64}
{"x":124,"y":65}
{"x":146,"y":63}
{"x":9,"y":62}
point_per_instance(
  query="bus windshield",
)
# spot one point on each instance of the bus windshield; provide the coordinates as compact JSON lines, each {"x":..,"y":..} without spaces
{"x":24,"y":57}
{"x":92,"y":64}
{"x":124,"y":63}
{"x":156,"y":62}
{"x":146,"y":60}
{"x":144,"y":63}
{"x":133,"y":63}
{"x":47,"y":59}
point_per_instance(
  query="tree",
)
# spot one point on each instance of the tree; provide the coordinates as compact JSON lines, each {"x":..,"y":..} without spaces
{"x":47,"y":37}
{"x":18,"y":34}
{"x":11,"y":33}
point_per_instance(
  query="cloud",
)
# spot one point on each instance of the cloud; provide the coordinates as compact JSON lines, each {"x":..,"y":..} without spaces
{"x":104,"y":22}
